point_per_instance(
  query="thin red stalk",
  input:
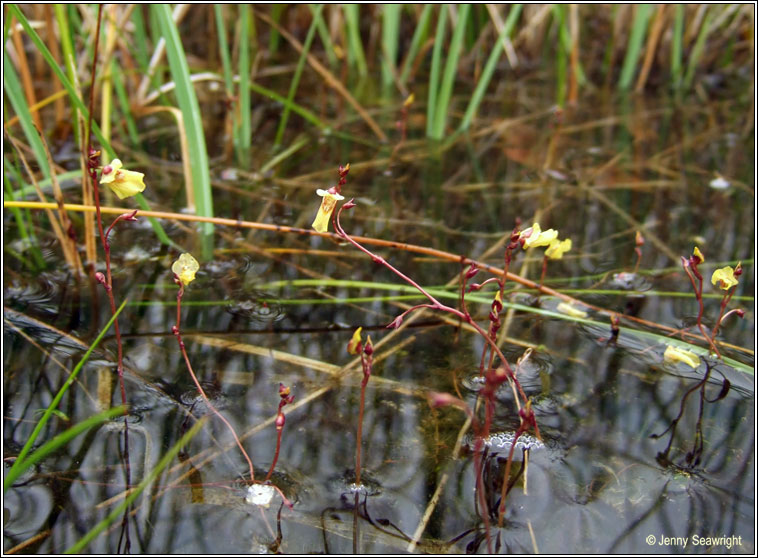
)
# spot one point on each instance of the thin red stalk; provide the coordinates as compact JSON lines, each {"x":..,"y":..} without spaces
{"x":692,"y":273}
{"x":178,"y":335}
{"x":366,"y":364}
{"x":435,"y":304}
{"x":276,"y":454}
{"x":724,"y":302}
{"x":544,"y":271}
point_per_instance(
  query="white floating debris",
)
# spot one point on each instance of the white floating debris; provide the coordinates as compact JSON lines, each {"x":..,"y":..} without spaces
{"x":259,"y":495}
{"x":720,"y":183}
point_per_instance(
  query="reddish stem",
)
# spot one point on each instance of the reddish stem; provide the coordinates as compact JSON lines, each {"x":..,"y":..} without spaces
{"x":178,"y":335}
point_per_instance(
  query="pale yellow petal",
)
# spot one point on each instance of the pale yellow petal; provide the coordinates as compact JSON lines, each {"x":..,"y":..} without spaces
{"x":185,"y":268}
{"x":672,"y":355}
{"x":724,"y":278}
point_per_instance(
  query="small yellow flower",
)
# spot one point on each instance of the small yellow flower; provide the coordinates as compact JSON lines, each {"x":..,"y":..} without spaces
{"x":698,"y":254}
{"x":321,"y":222}
{"x":355,"y":342}
{"x":672,"y":355}
{"x":534,"y":236}
{"x":724,"y":278}
{"x":557,"y":248}
{"x":185,"y":268}
{"x":124,"y":183}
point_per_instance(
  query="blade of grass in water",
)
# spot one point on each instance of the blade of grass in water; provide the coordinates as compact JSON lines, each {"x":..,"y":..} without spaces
{"x":484,"y":298}
{"x":697,"y":49}
{"x":296,"y":145}
{"x":489,"y":68}
{"x":561,"y":62}
{"x":323,"y":34}
{"x":296,"y":79}
{"x":193,"y":123}
{"x":77,"y":102}
{"x":419,"y":36}
{"x":69,"y":60}
{"x":274,"y":38}
{"x":123,"y":102}
{"x":16,"y":470}
{"x":676,"y":47}
{"x":634,"y":46}
{"x":117,"y":513}
{"x":434,"y":74}
{"x":355,"y":57}
{"x":26,"y":234}
{"x":58,"y":442}
{"x":390,"y":42}
{"x":451,"y":70}
{"x":223,"y":48}
{"x":13,"y":89}
{"x":242,"y":130}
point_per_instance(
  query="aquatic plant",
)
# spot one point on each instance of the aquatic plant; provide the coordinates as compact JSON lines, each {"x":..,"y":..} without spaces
{"x":184,"y":270}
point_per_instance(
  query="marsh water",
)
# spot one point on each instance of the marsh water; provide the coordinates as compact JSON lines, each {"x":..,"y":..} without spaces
{"x":614,"y":471}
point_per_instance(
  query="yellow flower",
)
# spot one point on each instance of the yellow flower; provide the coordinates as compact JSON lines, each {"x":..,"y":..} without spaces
{"x":185,"y":268}
{"x":534,"y":236}
{"x":724,"y":277}
{"x":124,"y":183}
{"x":698,"y":254}
{"x":321,"y":222}
{"x":355,"y":342}
{"x":672,"y":355}
{"x":557,"y":248}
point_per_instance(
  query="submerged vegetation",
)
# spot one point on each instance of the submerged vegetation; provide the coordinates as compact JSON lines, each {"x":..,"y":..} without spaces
{"x":580,"y":162}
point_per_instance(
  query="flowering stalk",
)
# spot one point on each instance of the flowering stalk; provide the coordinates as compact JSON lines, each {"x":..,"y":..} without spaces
{"x":696,"y":278}
{"x":356,"y":346}
{"x":284,"y":399}
{"x":726,"y":279}
{"x":184,"y":273}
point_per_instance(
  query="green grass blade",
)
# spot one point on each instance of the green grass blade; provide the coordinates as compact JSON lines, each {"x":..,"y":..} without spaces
{"x":390,"y":42}
{"x":223,"y":48}
{"x":323,"y":34}
{"x":243,"y":132}
{"x":56,"y":443}
{"x":355,"y":56}
{"x":296,"y":79}
{"x":484,"y":297}
{"x":697,"y":49}
{"x":116,"y":514}
{"x":17,"y":99}
{"x":634,"y":47}
{"x":56,"y":400}
{"x":193,"y":123}
{"x":79,"y":104}
{"x":676,"y":47}
{"x":434,"y":74}
{"x":26,"y":234}
{"x":274,"y":37}
{"x":69,"y":59}
{"x":299,"y":142}
{"x":451,"y":70}
{"x":489,"y":68}
{"x":117,"y":77}
{"x":419,"y":36}
{"x":561,"y":56}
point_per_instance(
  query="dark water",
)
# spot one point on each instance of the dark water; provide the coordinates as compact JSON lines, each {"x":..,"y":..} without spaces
{"x":599,"y":481}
